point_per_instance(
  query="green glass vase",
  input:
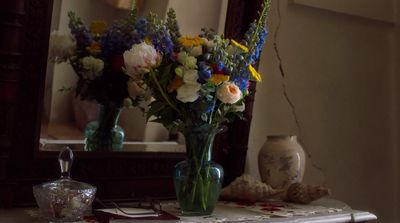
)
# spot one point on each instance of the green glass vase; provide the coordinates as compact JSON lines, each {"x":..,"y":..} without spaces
{"x":197,"y":179}
{"x":104,"y":134}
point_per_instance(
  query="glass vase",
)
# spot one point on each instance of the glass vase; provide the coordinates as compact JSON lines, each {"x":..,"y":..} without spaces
{"x":197,"y":179}
{"x":104,"y":134}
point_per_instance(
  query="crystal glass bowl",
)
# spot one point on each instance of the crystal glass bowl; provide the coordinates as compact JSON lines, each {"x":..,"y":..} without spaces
{"x":64,"y":200}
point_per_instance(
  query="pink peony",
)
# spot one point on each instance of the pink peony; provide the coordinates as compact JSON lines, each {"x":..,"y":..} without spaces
{"x":140,"y":58}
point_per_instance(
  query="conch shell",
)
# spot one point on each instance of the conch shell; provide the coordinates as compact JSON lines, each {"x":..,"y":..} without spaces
{"x":304,"y":194}
{"x":247,"y":189}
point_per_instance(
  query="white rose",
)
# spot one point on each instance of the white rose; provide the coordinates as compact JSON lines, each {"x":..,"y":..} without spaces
{"x":188,"y":92}
{"x":61,"y":47}
{"x":196,"y":51}
{"x":140,"y":58}
{"x":92,"y":67}
{"x":209,"y":43}
{"x":179,"y":71}
{"x":190,"y":76}
{"x":229,"y":93}
{"x":188,"y":61}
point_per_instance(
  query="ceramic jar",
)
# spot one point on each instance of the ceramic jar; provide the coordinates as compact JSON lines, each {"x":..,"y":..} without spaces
{"x":281,"y":161}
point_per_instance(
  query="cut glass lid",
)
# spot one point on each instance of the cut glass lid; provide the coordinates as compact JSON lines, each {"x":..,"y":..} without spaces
{"x":65,"y":159}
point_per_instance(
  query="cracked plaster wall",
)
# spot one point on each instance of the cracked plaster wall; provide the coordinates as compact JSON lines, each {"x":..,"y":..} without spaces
{"x":341,"y":78}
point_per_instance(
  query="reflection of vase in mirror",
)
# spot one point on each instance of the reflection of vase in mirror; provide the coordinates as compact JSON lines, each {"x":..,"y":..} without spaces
{"x":104,"y":134}
{"x":59,"y":104}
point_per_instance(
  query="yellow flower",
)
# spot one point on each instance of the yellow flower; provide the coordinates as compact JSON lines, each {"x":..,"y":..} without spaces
{"x":244,"y":48}
{"x":191,"y":41}
{"x":218,"y":78}
{"x":254,"y":73}
{"x":94,"y":48}
{"x":147,"y":40}
{"x":98,"y":27}
{"x":175,"y":84}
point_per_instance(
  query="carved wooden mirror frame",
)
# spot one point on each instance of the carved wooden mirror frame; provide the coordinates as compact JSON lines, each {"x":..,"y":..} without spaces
{"x":24,"y":35}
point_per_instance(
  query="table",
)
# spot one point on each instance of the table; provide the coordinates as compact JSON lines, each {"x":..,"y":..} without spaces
{"x":321,"y":211}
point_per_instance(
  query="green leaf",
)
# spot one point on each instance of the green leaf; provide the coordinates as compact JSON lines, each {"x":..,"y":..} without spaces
{"x":166,"y":76}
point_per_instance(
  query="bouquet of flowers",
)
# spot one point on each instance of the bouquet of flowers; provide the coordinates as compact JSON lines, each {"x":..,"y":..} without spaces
{"x":205,"y":79}
{"x":197,"y":85}
{"x":97,"y":54}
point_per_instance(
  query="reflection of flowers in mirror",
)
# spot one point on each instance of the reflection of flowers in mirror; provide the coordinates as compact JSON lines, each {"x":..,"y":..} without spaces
{"x":139,"y":59}
{"x":61,"y":47}
{"x":109,"y":69}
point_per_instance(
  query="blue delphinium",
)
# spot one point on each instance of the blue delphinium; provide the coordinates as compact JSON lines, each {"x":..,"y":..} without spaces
{"x":162,"y":42}
{"x":141,"y":27}
{"x":256,"y":55}
{"x":80,"y":32}
{"x":117,"y":39}
{"x":255,"y":37}
{"x":241,"y":79}
{"x":204,"y":72}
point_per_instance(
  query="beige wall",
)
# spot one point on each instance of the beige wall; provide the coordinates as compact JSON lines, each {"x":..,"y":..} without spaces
{"x":193,"y":16}
{"x":341,"y":77}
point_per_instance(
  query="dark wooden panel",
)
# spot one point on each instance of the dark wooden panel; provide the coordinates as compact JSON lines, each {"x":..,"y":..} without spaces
{"x":6,"y":122}
{"x":7,"y":191}
{"x":12,"y":6}
{"x":8,"y":91}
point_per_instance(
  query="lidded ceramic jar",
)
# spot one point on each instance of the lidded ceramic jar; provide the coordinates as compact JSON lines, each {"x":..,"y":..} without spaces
{"x":281,"y":161}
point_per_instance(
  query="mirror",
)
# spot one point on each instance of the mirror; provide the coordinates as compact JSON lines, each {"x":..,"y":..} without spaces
{"x":25,"y":36}
{"x":65,"y":116}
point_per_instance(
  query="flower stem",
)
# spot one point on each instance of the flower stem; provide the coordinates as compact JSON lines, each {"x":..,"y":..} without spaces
{"x":160,"y":89}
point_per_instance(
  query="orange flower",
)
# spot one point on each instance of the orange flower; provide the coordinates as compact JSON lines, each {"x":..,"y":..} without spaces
{"x":98,"y":27}
{"x":174,"y":84}
{"x":94,"y":48}
{"x":218,"y":78}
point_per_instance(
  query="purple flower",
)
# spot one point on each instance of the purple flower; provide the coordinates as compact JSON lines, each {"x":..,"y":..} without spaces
{"x":117,"y":39}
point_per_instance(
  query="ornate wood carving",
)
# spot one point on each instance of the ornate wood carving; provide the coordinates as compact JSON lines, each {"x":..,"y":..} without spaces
{"x":24,"y":34}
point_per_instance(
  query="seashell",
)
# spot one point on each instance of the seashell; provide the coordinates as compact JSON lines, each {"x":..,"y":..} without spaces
{"x":247,"y":189}
{"x":304,"y":194}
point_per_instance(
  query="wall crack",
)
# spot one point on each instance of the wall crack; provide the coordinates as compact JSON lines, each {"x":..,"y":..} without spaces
{"x":288,"y":99}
